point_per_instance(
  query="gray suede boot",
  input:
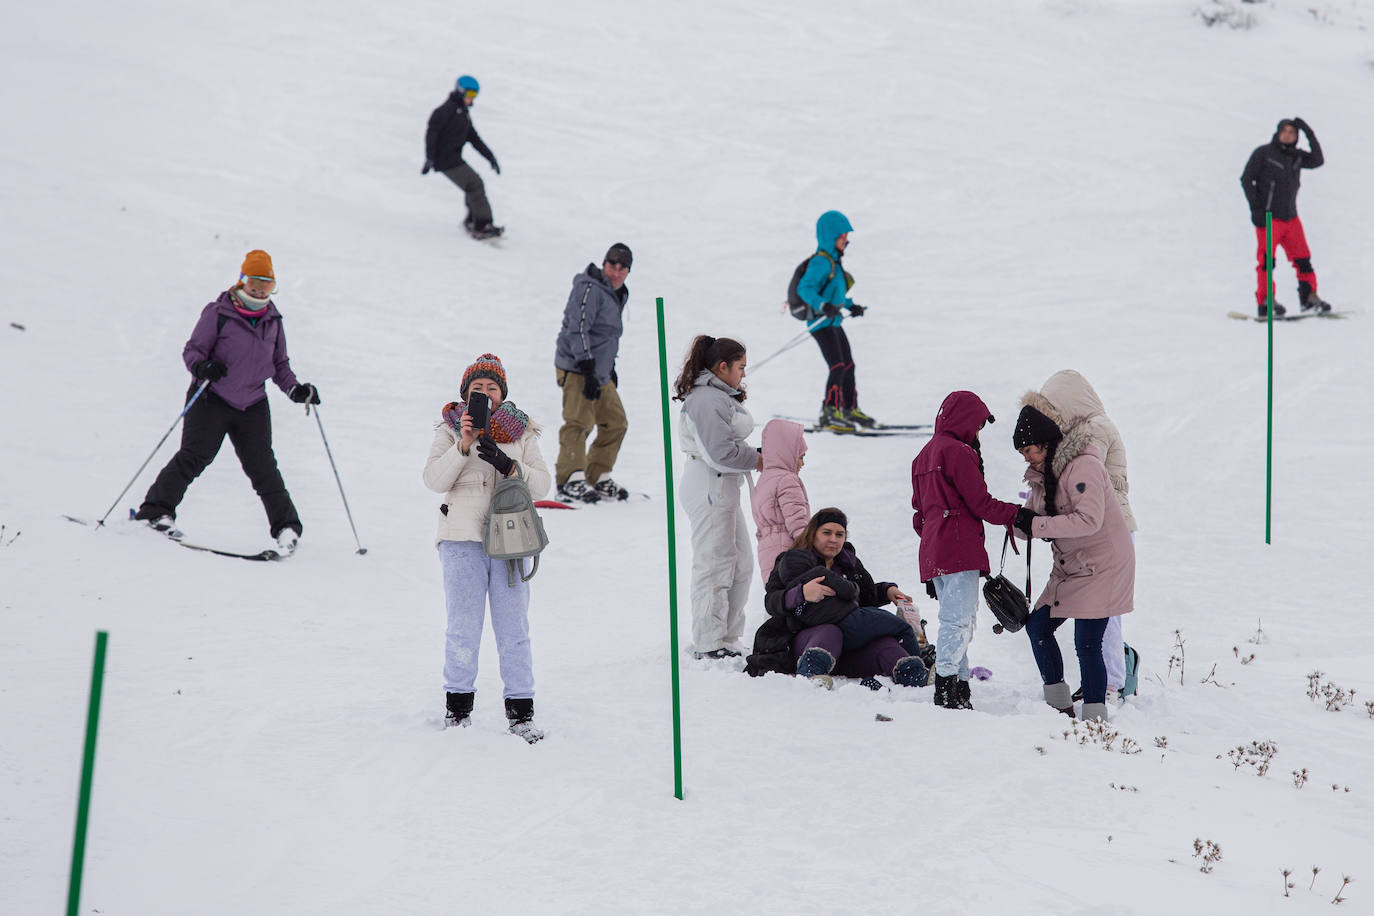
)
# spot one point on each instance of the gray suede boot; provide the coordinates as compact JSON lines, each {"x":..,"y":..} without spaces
{"x":1093,"y":711}
{"x":1060,"y":697}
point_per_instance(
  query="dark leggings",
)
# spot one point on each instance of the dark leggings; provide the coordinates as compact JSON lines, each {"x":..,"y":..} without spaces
{"x":839,"y":384}
{"x":1087,"y":643}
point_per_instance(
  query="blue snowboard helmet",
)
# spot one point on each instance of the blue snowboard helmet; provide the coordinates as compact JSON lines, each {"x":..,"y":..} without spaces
{"x":467,"y":84}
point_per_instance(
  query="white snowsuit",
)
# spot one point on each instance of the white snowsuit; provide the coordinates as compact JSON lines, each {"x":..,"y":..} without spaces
{"x":712,"y":433}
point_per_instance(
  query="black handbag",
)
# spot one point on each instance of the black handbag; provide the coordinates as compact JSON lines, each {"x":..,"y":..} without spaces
{"x":1008,"y":603}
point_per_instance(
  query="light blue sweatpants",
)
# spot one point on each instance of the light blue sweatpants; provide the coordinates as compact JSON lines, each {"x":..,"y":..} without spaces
{"x":958,"y":594}
{"x":470,"y":579}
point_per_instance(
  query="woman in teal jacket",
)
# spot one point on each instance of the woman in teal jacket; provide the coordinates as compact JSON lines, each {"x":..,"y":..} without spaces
{"x":825,"y":288}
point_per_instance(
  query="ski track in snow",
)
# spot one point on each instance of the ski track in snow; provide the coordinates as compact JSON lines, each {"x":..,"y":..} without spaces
{"x":1034,"y":186}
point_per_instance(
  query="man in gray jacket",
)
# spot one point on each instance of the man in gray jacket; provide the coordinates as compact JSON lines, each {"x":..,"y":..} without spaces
{"x":585,"y":369}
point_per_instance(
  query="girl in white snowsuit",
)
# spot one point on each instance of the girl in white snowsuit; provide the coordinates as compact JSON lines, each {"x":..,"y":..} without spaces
{"x":464,"y":464}
{"x":712,"y":433}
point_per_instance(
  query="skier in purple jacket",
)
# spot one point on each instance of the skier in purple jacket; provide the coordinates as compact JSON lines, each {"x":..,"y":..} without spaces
{"x":236,"y":345}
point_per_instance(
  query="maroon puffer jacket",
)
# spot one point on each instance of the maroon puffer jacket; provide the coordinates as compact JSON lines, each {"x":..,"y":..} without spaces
{"x":949,"y":493}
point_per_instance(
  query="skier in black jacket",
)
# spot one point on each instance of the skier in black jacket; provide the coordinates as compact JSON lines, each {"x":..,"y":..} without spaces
{"x":1271,"y":180}
{"x":450,"y":129}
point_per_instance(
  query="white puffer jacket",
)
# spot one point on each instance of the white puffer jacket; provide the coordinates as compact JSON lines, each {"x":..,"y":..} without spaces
{"x":467,"y":481}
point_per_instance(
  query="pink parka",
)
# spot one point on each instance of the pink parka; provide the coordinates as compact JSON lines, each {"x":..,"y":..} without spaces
{"x":781,"y":509}
{"x":1094,"y":561}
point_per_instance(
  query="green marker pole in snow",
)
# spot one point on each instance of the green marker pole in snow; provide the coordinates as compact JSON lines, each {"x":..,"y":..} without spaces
{"x":1269,"y":422}
{"x":87,"y":769}
{"x":672,"y":553}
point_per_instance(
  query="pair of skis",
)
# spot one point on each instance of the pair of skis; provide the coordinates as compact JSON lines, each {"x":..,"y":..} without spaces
{"x":176,"y":537}
{"x":879,"y":430}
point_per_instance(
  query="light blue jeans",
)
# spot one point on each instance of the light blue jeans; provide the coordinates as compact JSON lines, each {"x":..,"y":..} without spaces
{"x":470,"y":579}
{"x":958,"y":594}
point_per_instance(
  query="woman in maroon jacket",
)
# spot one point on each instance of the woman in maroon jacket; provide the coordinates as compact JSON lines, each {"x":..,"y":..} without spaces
{"x":951,"y":501}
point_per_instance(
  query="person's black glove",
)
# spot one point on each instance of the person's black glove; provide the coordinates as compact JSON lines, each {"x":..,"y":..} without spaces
{"x":489,"y":452}
{"x":304,"y":393}
{"x":856,"y":310}
{"x":930,"y":590}
{"x":211,"y":369}
{"x":591,"y":388}
{"x":495,"y":166}
{"x":429,"y":164}
{"x":1257,"y":218}
{"x":614,"y":380}
{"x":1301,"y":125}
{"x":830,"y":310}
{"x":1023,"y":520}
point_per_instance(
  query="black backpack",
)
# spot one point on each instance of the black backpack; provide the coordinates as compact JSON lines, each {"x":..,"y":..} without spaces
{"x":795,"y":304}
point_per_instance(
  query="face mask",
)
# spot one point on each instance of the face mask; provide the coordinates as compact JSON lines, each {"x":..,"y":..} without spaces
{"x":249,"y":302}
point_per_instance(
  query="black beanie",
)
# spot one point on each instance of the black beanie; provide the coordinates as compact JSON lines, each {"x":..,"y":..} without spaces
{"x":620,"y":252}
{"x":1034,"y":428}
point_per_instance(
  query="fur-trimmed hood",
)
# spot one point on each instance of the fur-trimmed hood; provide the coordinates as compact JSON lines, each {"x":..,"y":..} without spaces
{"x":1077,"y":437}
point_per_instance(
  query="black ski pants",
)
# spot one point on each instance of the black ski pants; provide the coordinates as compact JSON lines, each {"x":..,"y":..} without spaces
{"x":474,"y":193}
{"x":206,"y":424}
{"x":839,"y":384}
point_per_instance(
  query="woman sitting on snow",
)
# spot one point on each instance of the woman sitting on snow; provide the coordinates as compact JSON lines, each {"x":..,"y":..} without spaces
{"x":825,"y":617}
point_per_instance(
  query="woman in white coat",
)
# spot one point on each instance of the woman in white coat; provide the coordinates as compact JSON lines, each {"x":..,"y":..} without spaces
{"x":464,"y":464}
{"x":712,"y":434}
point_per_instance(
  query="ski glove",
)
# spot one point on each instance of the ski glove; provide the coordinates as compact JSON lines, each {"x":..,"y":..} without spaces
{"x":488,"y":451}
{"x":856,"y":310}
{"x":830,"y":310}
{"x":1301,"y":125}
{"x":429,"y":164}
{"x":210,"y":369}
{"x":495,"y":166}
{"x":304,"y":393}
{"x":1257,"y":218}
{"x":1023,"y":520}
{"x":591,"y":388}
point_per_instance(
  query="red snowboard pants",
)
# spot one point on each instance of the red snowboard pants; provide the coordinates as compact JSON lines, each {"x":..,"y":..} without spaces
{"x":1288,"y":234}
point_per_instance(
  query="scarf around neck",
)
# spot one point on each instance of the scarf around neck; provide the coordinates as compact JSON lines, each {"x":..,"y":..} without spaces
{"x":508,"y":422}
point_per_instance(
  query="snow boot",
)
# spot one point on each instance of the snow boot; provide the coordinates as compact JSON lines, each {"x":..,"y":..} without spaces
{"x":946,"y":691}
{"x":1279,"y":310}
{"x":608,"y":489}
{"x":1312,"y":303}
{"x":284,"y":542}
{"x":576,"y":489}
{"x":910,"y":672}
{"x":815,"y":665}
{"x":459,"y":709}
{"x":1093,"y":711}
{"x":166,"y":525}
{"x":833,"y":419}
{"x":963,"y":698}
{"x":1059,"y":698}
{"x":859,"y":418}
{"x":486,"y":232}
{"x":1132,"y":672}
{"x":520,"y":715}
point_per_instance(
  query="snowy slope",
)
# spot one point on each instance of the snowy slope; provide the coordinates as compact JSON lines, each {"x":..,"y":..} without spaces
{"x":1034,"y":186}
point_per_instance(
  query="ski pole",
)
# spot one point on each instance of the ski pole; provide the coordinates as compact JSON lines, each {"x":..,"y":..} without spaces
{"x":787,"y":346}
{"x":325,"y":439}
{"x":101,"y":523}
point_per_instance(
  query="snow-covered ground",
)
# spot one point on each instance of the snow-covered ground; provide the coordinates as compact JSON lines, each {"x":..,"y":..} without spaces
{"x":1034,"y":186}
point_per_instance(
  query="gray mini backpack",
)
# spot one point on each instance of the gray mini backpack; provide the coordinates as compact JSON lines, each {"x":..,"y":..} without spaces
{"x":513,"y":529}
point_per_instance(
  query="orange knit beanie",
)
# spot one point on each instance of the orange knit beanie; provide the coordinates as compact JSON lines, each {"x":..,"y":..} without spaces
{"x":257,"y":263}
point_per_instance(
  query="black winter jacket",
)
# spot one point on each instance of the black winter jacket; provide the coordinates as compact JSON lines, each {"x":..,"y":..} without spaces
{"x":1278,"y":166}
{"x":450,"y":129}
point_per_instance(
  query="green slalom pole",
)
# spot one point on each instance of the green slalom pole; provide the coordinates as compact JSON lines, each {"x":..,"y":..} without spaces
{"x":87,"y":769}
{"x":1269,"y":421}
{"x":672,"y":553}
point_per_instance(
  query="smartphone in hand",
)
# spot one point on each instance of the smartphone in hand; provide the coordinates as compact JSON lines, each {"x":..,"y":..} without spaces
{"x":479,"y":408}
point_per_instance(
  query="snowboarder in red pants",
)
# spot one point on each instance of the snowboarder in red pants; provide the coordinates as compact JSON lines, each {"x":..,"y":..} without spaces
{"x":1271,"y":180}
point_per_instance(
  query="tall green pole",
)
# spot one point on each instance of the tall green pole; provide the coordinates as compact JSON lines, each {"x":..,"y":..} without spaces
{"x":87,"y":769}
{"x":672,"y":552}
{"x":1269,"y":422}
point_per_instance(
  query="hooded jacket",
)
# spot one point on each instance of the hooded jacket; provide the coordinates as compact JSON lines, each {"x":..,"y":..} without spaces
{"x":450,"y":129}
{"x":591,"y":324}
{"x":252,"y":351}
{"x":1280,"y":166}
{"x":949,"y":493}
{"x":813,"y":288}
{"x":781,"y":507}
{"x":714,"y":426}
{"x":1070,"y":400}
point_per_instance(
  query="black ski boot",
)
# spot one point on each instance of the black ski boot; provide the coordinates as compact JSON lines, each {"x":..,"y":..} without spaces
{"x":963,"y":698}
{"x":1279,"y":310}
{"x":946,"y":693}
{"x":459,"y":709}
{"x":520,"y":714}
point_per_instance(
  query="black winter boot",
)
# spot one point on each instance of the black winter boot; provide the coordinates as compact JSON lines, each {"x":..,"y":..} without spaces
{"x":459,"y":709}
{"x":520,"y":714}
{"x":946,"y":693}
{"x":963,"y":698}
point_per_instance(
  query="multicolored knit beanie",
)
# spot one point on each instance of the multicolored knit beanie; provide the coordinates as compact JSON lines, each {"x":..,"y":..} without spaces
{"x":488,"y":365}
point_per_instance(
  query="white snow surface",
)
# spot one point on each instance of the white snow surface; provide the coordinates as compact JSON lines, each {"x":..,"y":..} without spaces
{"x":1033,"y":185}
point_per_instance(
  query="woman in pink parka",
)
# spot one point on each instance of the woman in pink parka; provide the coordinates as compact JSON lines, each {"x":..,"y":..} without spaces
{"x":1073,"y":505}
{"x":781,"y":507}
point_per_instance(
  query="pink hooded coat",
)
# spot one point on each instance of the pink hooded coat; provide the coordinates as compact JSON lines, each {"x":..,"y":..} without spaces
{"x":781,"y":509}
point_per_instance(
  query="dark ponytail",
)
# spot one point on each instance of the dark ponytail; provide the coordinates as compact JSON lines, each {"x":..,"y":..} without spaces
{"x":1051,"y":479}
{"x":705,"y":353}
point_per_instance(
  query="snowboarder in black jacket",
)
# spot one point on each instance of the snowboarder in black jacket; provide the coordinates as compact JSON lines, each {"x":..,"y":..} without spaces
{"x":450,"y":129}
{"x":1271,"y":179}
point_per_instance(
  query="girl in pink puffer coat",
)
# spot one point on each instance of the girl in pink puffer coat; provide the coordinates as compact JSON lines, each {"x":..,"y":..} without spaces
{"x":781,"y":509}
